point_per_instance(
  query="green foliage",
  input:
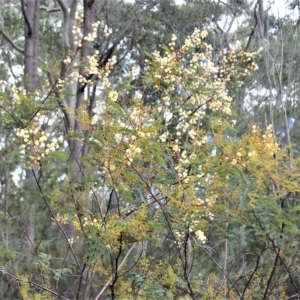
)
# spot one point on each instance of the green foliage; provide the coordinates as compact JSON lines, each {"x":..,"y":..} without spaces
{"x":143,"y":188}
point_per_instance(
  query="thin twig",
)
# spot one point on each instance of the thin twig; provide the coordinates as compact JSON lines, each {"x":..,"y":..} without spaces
{"x":54,"y":217}
{"x":111,"y":277}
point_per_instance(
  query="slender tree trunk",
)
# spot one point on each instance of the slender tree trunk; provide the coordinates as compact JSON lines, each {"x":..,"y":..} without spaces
{"x":68,"y":9}
{"x":261,"y":19}
{"x":89,"y":12}
{"x":31,"y":14}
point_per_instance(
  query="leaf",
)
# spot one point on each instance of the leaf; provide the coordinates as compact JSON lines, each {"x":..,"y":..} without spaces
{"x":117,"y":109}
{"x":167,"y":179}
{"x":96,"y":145}
{"x":58,"y":155}
{"x":67,"y":271}
{"x":127,"y":130}
{"x":66,"y":93}
{"x":6,"y":253}
{"x":149,"y":54}
{"x":295,"y":208}
{"x":75,"y":135}
{"x":16,"y":154}
{"x":3,"y":95}
{"x":166,"y":48}
{"x":158,"y":153}
{"x":43,"y":67}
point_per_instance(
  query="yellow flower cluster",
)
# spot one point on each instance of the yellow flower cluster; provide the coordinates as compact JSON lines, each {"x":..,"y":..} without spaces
{"x":254,"y":147}
{"x":192,"y":227}
{"x":87,"y":222}
{"x":263,"y":145}
{"x":93,"y":35}
{"x":72,"y":240}
{"x":271,"y":146}
{"x":200,"y":236}
{"x":192,"y":75}
{"x":134,"y":72}
{"x":232,"y":59}
{"x":77,"y":29}
{"x":91,"y":62}
{"x":17,"y":94}
{"x":36,"y":141}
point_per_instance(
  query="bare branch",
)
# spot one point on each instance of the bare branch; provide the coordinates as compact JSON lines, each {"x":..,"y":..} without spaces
{"x":220,"y":268}
{"x":123,"y":34}
{"x":35,"y":284}
{"x":26,"y":18}
{"x":111,"y":277}
{"x":55,"y":218}
{"x":49,"y":9}
{"x":8,"y":38}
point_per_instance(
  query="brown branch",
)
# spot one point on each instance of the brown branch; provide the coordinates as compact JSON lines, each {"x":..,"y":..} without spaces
{"x":10,"y":41}
{"x":221,"y":269}
{"x":252,"y":274}
{"x":20,"y":224}
{"x":26,"y":18}
{"x":54,"y":217}
{"x":111,"y":277}
{"x":253,"y":29}
{"x":123,"y":34}
{"x":35,"y":284}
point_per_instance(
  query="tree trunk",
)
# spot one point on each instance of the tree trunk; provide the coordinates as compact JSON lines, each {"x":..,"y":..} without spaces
{"x":31,"y":14}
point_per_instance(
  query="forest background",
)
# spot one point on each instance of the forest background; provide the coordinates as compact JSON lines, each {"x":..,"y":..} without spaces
{"x":149,"y":150}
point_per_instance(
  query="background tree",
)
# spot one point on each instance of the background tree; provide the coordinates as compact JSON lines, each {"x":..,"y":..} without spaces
{"x":129,"y":157}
